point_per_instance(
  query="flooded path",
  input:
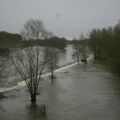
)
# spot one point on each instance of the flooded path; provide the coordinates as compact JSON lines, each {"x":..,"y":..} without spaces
{"x":84,"y":92}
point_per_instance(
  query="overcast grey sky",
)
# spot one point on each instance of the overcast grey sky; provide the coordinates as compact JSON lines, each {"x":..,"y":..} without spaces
{"x":65,"y":18}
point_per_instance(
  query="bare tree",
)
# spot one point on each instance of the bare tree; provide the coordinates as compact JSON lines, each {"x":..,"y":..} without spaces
{"x":30,"y":63}
{"x":83,"y":49}
{"x":76,"y":53}
{"x":33,"y":29}
{"x":48,"y":35}
{"x":80,"y":50}
{"x":52,"y":60}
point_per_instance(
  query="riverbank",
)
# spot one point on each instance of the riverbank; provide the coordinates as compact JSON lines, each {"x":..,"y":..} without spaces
{"x":22,"y":83}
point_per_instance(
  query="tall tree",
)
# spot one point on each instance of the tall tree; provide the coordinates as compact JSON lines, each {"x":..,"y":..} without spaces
{"x":34,"y":29}
{"x":30,"y":62}
{"x":105,"y":44}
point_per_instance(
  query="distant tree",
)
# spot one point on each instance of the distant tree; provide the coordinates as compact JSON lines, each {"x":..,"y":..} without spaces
{"x":48,"y":35}
{"x":52,"y":60}
{"x":80,"y":50}
{"x":83,"y":49}
{"x":56,"y":42}
{"x":8,"y":40}
{"x":105,"y":44}
{"x":76,"y":53}
{"x":34,"y":29}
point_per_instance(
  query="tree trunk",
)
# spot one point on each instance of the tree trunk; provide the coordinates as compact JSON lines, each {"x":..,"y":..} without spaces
{"x":78,"y":60}
{"x":33,"y":98}
{"x":52,"y":76}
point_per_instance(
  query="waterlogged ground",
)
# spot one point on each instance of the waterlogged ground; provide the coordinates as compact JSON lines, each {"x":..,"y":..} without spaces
{"x":10,"y":78}
{"x":84,"y":92}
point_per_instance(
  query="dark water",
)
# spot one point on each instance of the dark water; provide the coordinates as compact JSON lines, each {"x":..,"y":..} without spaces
{"x":84,"y":92}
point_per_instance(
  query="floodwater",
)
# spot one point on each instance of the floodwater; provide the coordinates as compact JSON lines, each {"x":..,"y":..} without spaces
{"x":10,"y":78}
{"x":82,"y":92}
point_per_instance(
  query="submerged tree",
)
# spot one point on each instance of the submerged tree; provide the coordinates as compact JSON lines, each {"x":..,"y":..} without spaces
{"x":34,"y":29}
{"x":52,"y":60}
{"x":83,"y":49}
{"x":76,"y":54}
{"x":30,"y":64}
{"x":80,"y":50}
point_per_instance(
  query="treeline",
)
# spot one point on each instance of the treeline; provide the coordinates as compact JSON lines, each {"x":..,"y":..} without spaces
{"x":105,"y":44}
{"x":80,"y":41}
{"x":52,"y":42}
{"x":10,"y":40}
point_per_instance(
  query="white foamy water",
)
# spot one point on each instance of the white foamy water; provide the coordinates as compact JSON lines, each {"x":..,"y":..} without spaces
{"x":22,"y":83}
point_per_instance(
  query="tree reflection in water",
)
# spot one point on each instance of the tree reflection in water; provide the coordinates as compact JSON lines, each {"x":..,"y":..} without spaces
{"x":37,"y":112}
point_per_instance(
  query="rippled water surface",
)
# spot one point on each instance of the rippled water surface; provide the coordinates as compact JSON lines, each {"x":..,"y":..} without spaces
{"x":84,"y":92}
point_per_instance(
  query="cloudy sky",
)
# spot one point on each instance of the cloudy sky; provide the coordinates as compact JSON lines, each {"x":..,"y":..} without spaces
{"x":65,"y":18}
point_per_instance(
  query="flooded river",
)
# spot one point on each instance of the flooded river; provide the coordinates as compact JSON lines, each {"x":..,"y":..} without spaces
{"x":81,"y":92}
{"x":9,"y":77}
